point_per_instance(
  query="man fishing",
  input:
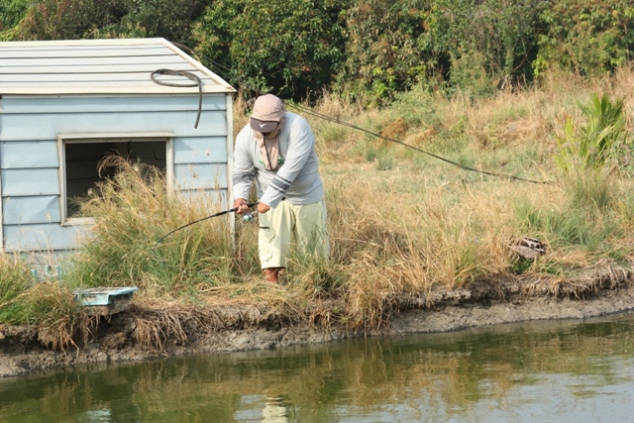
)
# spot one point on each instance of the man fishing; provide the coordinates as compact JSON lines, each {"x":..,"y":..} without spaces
{"x":277,"y":150}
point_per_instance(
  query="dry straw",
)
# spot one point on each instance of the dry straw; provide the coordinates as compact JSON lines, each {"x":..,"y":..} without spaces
{"x":401,"y":224}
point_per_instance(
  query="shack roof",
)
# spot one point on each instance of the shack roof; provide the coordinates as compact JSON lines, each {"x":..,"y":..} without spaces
{"x":101,"y":67}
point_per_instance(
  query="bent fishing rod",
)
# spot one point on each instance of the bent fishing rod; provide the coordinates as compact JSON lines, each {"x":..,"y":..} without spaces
{"x":233,"y":210}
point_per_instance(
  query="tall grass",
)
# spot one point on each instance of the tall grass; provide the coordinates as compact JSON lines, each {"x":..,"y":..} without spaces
{"x":49,"y":305}
{"x":15,"y":280}
{"x":401,"y":223}
{"x":132,"y":212}
{"x":422,"y":224}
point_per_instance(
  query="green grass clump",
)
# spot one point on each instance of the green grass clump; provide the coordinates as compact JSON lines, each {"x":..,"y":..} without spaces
{"x":15,"y":280}
{"x":49,"y":305}
{"x":584,"y":216}
{"x":132,"y":212}
{"x":604,"y":139}
{"x":401,"y":223}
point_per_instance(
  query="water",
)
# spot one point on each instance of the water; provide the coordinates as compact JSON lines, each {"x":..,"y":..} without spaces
{"x":562,"y":371}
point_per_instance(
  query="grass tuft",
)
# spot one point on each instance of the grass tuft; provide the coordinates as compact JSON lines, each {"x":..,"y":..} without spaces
{"x":132,"y":212}
{"x":15,"y":280}
{"x":402,"y":224}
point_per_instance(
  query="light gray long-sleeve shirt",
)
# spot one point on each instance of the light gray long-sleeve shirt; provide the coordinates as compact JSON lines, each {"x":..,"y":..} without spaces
{"x":297,"y":179}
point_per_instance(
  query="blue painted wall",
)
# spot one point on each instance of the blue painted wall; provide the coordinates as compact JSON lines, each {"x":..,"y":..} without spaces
{"x":30,"y":165}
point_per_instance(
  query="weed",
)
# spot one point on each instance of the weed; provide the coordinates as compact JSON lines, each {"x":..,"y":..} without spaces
{"x":15,"y":280}
{"x":133,"y":211}
{"x":599,"y":141}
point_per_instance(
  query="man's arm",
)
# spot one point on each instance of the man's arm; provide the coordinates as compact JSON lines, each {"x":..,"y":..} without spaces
{"x":243,"y":173}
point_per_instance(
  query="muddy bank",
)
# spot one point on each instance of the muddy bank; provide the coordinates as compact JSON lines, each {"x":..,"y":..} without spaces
{"x":143,"y":333}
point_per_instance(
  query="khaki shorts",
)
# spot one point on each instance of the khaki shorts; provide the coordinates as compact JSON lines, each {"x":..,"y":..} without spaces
{"x":287,"y":226}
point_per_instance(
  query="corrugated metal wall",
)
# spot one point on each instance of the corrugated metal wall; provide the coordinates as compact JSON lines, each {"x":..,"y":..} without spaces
{"x":30,"y":165}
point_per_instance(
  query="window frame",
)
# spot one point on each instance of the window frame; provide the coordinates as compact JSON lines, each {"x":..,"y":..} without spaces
{"x":103,"y":138}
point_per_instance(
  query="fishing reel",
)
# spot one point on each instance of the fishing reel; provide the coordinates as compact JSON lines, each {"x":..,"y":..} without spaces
{"x":249,"y":217}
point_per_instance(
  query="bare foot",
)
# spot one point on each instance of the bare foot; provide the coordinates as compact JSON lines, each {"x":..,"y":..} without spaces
{"x":271,"y":274}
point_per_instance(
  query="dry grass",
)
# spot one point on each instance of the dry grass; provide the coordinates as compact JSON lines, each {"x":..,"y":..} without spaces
{"x":133,"y":212}
{"x":401,"y":223}
{"x":425,"y":224}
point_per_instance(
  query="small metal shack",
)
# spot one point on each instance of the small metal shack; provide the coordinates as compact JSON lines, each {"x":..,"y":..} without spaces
{"x":64,"y":104}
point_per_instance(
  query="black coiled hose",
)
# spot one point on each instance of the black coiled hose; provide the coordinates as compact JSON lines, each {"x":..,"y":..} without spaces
{"x":197,"y":83}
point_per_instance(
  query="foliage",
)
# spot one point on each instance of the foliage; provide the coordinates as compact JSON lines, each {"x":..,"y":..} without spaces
{"x":49,"y":305}
{"x":589,"y":37}
{"x":289,"y":47}
{"x":12,"y":12}
{"x":490,"y":43}
{"x":367,"y":51}
{"x":384,"y":54}
{"x":601,"y":140}
{"x":67,"y":19}
{"x":76,"y":19}
{"x":169,"y":19}
{"x":475,"y":46}
{"x":132,"y":212}
{"x":15,"y":280}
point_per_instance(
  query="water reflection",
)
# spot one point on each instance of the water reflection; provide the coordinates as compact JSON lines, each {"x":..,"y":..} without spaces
{"x":541,"y":371}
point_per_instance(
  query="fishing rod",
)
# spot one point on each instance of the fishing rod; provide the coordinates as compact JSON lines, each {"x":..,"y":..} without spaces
{"x":235,"y":209}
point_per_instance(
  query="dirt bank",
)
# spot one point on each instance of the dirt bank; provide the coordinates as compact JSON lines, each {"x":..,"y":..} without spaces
{"x":142,"y":333}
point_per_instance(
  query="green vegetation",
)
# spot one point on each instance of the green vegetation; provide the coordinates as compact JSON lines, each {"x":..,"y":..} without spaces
{"x":287,"y":44}
{"x":367,"y":51}
{"x":48,"y":304}
{"x":15,"y":279}
{"x":132,"y":211}
{"x":533,"y":90}
{"x":604,"y":138}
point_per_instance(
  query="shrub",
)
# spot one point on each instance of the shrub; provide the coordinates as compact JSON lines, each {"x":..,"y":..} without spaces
{"x":132,"y":211}
{"x":489,"y":43}
{"x":587,"y":37}
{"x":288,"y":47}
{"x":599,"y":142}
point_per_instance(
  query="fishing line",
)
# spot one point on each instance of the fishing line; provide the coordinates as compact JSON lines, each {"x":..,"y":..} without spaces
{"x":461,"y":166}
{"x":307,"y":110}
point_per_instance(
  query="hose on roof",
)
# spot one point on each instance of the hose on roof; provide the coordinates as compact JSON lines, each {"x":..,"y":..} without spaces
{"x":189,"y":75}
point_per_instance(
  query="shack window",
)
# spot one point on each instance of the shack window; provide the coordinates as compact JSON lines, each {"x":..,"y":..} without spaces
{"x":80,"y":165}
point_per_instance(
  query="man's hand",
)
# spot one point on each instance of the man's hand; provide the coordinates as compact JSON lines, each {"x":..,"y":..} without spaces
{"x":263,"y":208}
{"x":240,"y":205}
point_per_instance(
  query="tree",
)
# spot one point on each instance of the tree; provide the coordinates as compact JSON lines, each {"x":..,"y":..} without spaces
{"x":67,"y":19}
{"x":589,"y":37}
{"x":77,"y":19}
{"x":490,"y":43}
{"x":12,"y":12}
{"x":384,"y":50}
{"x":170,"y":19}
{"x":290,"y":47}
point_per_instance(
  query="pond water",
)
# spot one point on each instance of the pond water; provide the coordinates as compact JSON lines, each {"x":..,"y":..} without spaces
{"x":550,"y":371}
